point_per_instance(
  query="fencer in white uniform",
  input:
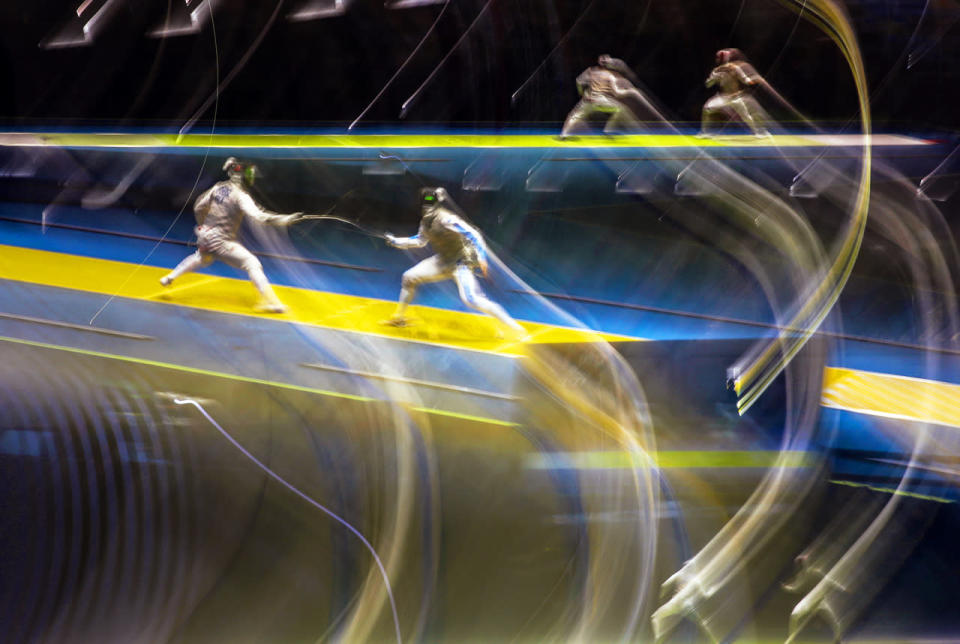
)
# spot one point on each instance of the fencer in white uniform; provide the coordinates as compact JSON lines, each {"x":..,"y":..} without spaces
{"x":460,"y":253}
{"x":219,"y":212}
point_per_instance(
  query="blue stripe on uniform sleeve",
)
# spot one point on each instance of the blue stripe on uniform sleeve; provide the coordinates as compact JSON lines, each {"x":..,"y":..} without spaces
{"x":473,"y":238}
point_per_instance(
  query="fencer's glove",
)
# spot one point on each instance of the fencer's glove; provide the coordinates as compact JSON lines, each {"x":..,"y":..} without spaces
{"x":391,"y":240}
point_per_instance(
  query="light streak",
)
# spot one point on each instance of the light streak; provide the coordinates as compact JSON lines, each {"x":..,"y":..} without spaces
{"x":319,"y":9}
{"x":282,"y":481}
{"x":401,"y":67}
{"x":407,"y":103}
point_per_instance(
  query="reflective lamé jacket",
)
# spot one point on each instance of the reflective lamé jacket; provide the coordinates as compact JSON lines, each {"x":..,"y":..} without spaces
{"x":221,"y":210}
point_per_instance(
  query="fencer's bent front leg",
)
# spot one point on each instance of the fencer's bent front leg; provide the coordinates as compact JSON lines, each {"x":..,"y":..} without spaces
{"x":408,"y":289}
{"x":254,"y":270}
{"x":429,"y":270}
{"x":237,"y":256}
{"x":259,"y":279}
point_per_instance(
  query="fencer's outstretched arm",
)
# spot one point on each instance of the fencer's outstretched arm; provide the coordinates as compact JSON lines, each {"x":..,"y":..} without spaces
{"x":748,"y":75}
{"x":417,"y":241}
{"x":622,"y":88}
{"x":252,"y":209}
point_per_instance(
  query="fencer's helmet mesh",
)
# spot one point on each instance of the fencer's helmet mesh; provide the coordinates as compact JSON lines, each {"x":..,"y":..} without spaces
{"x":438,"y":196}
{"x":247,"y":171}
{"x":729,"y":55}
{"x":431,"y":196}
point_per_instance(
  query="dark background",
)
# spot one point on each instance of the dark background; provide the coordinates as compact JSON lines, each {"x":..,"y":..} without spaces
{"x":323,"y":72}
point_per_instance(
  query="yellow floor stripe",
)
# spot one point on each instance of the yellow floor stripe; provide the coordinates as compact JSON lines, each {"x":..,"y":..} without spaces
{"x":406,"y":141}
{"x":859,"y":391}
{"x":891,"y":396}
{"x":237,"y":296}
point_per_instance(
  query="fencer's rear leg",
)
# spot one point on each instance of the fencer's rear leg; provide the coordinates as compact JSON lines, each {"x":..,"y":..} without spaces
{"x":752,"y":117}
{"x":622,"y":121}
{"x":474,"y":297}
{"x":189,"y":264}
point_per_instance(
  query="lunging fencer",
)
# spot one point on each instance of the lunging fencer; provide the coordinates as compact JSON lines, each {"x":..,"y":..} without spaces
{"x":603,"y":89}
{"x":460,"y":253}
{"x":219,"y":212}
{"x":735,"y":79}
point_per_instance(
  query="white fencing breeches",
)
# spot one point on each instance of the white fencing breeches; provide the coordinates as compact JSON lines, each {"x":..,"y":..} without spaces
{"x":231,"y":253}
{"x":434,"y":269}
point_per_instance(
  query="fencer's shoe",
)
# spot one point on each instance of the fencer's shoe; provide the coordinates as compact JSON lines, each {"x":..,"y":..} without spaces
{"x":270,"y":307}
{"x":396,"y":321}
{"x":166,"y":280}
